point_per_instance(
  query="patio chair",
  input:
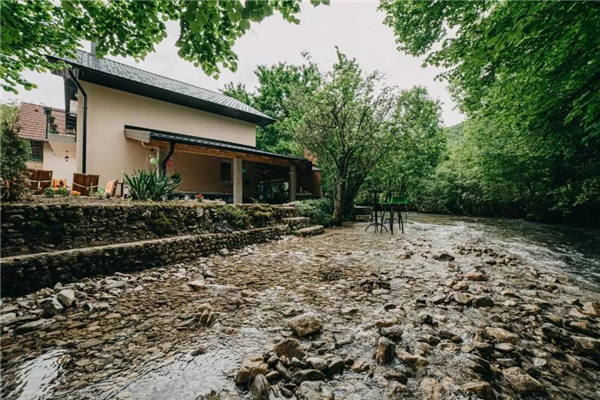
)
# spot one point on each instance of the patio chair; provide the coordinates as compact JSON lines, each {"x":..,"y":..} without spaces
{"x":111,"y":188}
{"x":39,"y":179}
{"x":85,"y":184}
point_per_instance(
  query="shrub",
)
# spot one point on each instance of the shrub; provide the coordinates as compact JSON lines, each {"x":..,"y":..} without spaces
{"x":63,"y":191}
{"x":14,"y":155}
{"x":320,"y":211}
{"x":49,"y":192}
{"x":236,"y":217}
{"x":151,"y":185}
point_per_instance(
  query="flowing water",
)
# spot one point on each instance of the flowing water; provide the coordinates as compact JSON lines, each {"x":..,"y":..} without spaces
{"x":289,"y":281}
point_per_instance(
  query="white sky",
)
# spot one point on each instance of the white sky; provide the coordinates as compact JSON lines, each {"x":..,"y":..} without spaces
{"x":355,"y":26}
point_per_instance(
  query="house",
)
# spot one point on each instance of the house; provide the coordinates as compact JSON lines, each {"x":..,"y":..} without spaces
{"x":123,"y":117}
{"x":52,"y":146}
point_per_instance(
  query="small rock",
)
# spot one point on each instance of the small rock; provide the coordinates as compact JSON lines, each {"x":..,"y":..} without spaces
{"x":200,"y":350}
{"x":224,"y":252}
{"x":90,"y":343}
{"x":360,"y":365}
{"x":483,"y":301}
{"x":252,"y":366}
{"x":386,"y":350}
{"x":115,"y":285}
{"x":305,"y":324}
{"x":396,"y":376}
{"x":315,"y":391}
{"x":392,"y":332}
{"x":481,"y":389}
{"x":475,"y":276}
{"x":336,"y":365}
{"x":52,"y":308}
{"x":442,"y":256}
{"x":40,"y":324}
{"x":289,"y":348}
{"x":521,"y":380}
{"x":501,"y":335}
{"x":7,"y":319}
{"x":414,"y":361}
{"x":307,"y":375}
{"x":197,"y":284}
{"x":260,"y":388}
{"x":66,"y":297}
{"x":317,"y":363}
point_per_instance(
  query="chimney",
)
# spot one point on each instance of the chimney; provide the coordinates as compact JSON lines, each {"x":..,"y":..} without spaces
{"x":93,"y":48}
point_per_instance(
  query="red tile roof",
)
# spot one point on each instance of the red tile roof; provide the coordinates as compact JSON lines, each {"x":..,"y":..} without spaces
{"x":32,"y":121}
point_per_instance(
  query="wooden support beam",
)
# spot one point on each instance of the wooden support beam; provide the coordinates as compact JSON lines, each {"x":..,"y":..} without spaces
{"x":293,"y":184}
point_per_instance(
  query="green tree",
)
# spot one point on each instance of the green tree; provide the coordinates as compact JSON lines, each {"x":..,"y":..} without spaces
{"x":13,"y":156}
{"x":32,"y":30}
{"x":277,"y":83}
{"x":418,"y":145}
{"x":530,"y":70}
{"x":348,"y":123}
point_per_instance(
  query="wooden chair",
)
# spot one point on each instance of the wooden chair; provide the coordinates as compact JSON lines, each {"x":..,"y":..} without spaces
{"x":39,"y":179}
{"x":85,"y":184}
{"x":111,"y":188}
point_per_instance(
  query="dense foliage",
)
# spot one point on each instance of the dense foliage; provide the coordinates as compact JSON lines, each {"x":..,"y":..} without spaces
{"x":277,"y":83}
{"x":527,"y":74}
{"x":320,"y":211}
{"x":13,"y":156}
{"x":32,"y":30}
{"x":152,"y":185}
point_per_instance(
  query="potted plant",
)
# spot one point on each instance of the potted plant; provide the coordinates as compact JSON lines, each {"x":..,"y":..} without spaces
{"x":199,"y":197}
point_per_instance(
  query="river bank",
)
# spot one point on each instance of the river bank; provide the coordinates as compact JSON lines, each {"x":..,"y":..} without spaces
{"x":466,"y":306}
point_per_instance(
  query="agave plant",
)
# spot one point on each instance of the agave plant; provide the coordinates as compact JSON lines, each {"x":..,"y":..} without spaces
{"x":151,"y":185}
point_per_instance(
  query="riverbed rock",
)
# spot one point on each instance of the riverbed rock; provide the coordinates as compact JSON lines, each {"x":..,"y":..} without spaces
{"x":7,"y":319}
{"x":290,"y":348}
{"x":336,"y":366}
{"x":386,"y":351}
{"x":476,"y":276}
{"x":38,"y":325}
{"x":252,"y":366}
{"x":501,"y":335}
{"x":260,"y":388}
{"x":393,"y":332}
{"x":317,"y":363}
{"x":197,"y":284}
{"x":66,"y":297}
{"x":483,"y":301}
{"x":305,"y":324}
{"x":587,"y":345}
{"x":52,"y":307}
{"x":308,"y":375}
{"x":115,"y":285}
{"x":521,"y":380}
{"x":310,"y":390}
{"x":481,"y":389}
{"x":443,"y":256}
{"x":413,"y":361}
{"x":591,"y":308}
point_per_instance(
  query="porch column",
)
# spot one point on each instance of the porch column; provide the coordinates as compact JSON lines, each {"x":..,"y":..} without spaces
{"x":238,"y":181}
{"x":293,"y":184}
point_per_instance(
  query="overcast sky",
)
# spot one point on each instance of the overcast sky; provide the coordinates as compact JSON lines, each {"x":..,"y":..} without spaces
{"x":355,"y":26}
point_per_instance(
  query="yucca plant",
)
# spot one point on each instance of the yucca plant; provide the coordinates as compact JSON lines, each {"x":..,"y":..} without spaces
{"x":151,"y":185}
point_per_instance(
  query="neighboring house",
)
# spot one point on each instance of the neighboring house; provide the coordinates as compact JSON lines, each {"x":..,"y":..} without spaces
{"x":125,"y":116}
{"x":52,"y":146}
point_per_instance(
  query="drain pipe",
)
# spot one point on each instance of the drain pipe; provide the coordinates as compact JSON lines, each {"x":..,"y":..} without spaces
{"x":84,"y":133}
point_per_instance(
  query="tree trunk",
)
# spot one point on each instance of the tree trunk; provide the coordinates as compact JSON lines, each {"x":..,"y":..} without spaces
{"x":338,"y":204}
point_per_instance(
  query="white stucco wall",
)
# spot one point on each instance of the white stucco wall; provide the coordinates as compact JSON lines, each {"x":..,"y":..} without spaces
{"x":54,"y":160}
{"x":109,"y":153}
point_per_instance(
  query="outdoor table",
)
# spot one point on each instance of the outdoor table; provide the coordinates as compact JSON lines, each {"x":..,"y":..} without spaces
{"x":375,"y":221}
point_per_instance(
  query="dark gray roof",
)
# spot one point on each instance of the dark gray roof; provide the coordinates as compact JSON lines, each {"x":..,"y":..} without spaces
{"x":211,"y":143}
{"x":130,"y":79}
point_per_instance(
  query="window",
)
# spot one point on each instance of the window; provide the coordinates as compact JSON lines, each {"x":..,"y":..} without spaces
{"x":37,"y":151}
{"x":226,"y":171}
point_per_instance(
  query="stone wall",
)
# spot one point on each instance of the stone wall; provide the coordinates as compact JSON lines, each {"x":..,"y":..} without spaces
{"x":36,"y":228}
{"x":23,"y":274}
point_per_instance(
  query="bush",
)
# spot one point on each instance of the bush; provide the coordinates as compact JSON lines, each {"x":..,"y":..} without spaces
{"x":48,"y":192}
{"x":152,"y":185}
{"x":320,"y":211}
{"x":63,"y":191}
{"x":15,"y":184}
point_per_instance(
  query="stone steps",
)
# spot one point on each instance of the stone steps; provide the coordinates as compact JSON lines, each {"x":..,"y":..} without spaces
{"x":27,"y":273}
{"x":296,"y":223}
{"x":309,"y":231}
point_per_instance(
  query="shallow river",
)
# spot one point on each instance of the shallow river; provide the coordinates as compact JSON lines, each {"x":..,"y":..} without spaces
{"x":257,"y":289}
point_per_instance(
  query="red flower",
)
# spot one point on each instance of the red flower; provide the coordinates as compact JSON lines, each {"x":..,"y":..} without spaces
{"x":199,"y":196}
{"x":170,"y":162}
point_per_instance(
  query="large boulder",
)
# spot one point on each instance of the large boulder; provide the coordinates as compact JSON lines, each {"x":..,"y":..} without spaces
{"x":252,"y":366}
{"x":305,"y":324}
{"x":290,"y":348}
{"x":315,"y":391}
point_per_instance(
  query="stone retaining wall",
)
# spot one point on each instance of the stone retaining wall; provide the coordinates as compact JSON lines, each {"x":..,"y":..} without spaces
{"x":24,"y":274}
{"x":36,"y":228}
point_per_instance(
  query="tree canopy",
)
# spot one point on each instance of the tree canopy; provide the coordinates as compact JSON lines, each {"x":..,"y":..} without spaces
{"x":527,"y":74}
{"x":32,"y":30}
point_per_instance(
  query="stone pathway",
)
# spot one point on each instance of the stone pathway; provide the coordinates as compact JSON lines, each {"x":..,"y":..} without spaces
{"x":409,"y":316}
